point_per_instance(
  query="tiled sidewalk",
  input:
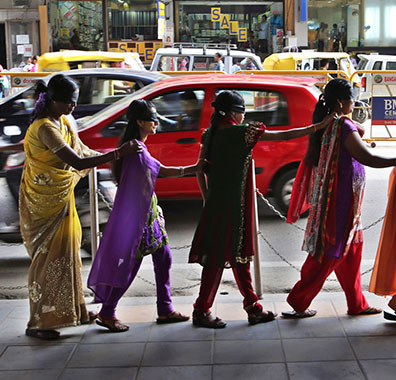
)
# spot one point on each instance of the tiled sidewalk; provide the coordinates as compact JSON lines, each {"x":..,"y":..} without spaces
{"x":330,"y":345}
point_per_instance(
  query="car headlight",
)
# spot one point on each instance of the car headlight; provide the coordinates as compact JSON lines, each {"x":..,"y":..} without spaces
{"x":16,"y":159}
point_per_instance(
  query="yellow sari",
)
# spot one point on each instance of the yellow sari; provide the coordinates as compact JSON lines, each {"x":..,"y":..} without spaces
{"x":51,"y":230}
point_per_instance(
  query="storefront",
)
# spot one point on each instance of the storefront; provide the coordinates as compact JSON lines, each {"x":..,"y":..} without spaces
{"x":115,"y":25}
{"x":359,"y":24}
{"x":136,"y":26}
{"x":322,"y":15}
{"x":194,"y":22}
{"x":76,"y":24}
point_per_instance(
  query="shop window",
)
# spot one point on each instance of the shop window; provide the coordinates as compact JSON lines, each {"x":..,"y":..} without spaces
{"x":390,"y":17}
{"x":179,"y":111}
{"x":76,"y":24}
{"x":372,"y":19}
{"x":269,"y":107}
{"x":130,"y":20}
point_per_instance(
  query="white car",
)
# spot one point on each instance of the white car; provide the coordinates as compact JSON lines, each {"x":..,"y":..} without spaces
{"x":188,"y":57}
{"x":380,"y":81}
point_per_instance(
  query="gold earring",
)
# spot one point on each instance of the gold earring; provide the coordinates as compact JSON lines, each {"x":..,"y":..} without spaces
{"x":339,"y":103}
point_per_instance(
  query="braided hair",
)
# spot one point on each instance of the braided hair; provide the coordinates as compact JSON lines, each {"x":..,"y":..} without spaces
{"x":137,"y":110}
{"x":336,"y":90}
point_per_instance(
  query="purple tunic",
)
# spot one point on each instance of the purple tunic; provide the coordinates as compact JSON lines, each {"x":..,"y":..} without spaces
{"x":115,"y":260}
{"x":351,"y":179}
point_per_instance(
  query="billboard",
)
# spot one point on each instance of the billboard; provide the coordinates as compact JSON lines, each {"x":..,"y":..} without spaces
{"x":384,"y":110}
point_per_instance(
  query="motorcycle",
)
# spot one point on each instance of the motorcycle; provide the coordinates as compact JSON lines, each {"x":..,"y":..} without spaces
{"x":10,"y":232}
{"x":361,"y":111}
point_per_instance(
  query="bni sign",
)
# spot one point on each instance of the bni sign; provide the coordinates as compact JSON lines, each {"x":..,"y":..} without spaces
{"x":384,"y":110}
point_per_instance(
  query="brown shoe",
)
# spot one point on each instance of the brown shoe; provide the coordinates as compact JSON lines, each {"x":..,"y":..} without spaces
{"x":207,"y":320}
{"x":112,"y":324}
{"x":172,"y":318}
{"x":261,"y":317}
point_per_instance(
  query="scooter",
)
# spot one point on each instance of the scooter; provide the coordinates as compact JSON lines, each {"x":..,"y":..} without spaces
{"x":361,"y":111}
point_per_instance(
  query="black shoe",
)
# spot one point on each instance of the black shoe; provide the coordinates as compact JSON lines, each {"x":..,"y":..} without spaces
{"x":390,"y":316}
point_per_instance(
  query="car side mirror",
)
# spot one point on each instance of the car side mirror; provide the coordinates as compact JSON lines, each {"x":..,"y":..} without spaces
{"x":19,"y":105}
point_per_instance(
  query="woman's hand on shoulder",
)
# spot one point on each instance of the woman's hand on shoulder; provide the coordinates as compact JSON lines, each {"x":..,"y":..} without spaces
{"x":130,"y":147}
{"x":326,"y":121}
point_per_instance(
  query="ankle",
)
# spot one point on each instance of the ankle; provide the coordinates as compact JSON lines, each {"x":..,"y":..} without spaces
{"x":254,"y":309}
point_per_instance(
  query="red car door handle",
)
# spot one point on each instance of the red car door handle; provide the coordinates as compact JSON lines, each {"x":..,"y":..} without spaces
{"x":187,"y":140}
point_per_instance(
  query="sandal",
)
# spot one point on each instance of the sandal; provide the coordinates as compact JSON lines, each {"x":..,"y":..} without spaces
{"x":173,"y":317}
{"x":206,"y":319}
{"x":369,"y":311}
{"x":299,"y":314}
{"x":43,"y":334}
{"x":91,"y":318}
{"x":112,"y":324}
{"x":261,"y":317}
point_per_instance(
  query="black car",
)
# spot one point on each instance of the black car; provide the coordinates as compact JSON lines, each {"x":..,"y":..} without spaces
{"x":98,"y":89}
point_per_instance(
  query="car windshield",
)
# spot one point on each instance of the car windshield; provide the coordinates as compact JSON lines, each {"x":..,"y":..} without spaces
{"x":115,"y":108}
{"x":362,"y":64}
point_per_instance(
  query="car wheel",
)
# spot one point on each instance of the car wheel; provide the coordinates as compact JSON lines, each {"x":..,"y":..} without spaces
{"x":283,"y":189}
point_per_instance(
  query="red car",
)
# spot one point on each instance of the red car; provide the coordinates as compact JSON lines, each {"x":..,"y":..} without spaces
{"x":184,"y":107}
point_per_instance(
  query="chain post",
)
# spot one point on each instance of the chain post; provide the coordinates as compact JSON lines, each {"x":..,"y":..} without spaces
{"x":93,"y":205}
{"x":256,"y":229}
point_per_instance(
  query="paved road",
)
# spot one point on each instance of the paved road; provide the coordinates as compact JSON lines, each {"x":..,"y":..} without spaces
{"x":181,"y":218}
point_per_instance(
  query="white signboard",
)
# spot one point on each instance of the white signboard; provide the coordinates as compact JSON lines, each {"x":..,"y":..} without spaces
{"x":28,"y":50}
{"x":23,"y":81}
{"x":22,"y":39}
{"x":384,"y":78}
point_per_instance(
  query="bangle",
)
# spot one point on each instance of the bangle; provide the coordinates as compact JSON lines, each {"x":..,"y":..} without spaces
{"x":117,"y":154}
{"x":181,"y":171}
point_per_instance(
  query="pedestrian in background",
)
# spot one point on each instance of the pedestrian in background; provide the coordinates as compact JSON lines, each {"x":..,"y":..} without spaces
{"x":136,"y":212}
{"x":34,"y":67}
{"x":224,"y":235}
{"x":332,"y":178}
{"x":56,"y":159}
{"x":323,"y":37}
{"x":219,"y":62}
{"x":263,"y":30}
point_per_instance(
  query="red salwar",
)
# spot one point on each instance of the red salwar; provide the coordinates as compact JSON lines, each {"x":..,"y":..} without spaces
{"x":314,"y":274}
{"x":210,"y":281}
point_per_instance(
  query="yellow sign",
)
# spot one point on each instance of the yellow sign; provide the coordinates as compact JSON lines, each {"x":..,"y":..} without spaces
{"x":215,"y":14}
{"x":146,"y":49}
{"x":242,"y":34}
{"x":225,"y":21}
{"x":234,"y":28}
{"x":64,"y":32}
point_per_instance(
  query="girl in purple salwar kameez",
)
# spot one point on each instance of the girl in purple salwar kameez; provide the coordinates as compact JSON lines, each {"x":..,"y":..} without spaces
{"x":136,"y":227}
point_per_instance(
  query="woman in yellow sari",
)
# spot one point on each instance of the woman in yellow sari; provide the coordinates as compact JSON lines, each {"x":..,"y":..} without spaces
{"x":55,"y":161}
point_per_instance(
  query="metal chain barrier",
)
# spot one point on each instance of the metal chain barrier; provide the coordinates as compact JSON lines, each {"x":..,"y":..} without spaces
{"x":267,"y":202}
{"x":274,"y":250}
